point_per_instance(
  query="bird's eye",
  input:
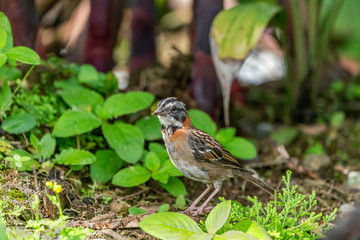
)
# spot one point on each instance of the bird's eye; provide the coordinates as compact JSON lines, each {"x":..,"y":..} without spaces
{"x":174,"y":109}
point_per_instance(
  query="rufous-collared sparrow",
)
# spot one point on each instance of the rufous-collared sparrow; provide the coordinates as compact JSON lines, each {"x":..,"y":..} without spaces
{"x":198,"y":155}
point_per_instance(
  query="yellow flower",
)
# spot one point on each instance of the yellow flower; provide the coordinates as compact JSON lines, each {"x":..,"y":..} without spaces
{"x":57,"y":188}
{"x":49,"y":184}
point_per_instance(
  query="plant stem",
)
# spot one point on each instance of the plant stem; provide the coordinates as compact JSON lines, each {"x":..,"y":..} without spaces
{"x":78,"y":145}
{"x":15,"y":91}
{"x":313,"y":28}
{"x":59,"y":205}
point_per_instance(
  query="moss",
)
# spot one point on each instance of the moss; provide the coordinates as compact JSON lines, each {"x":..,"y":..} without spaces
{"x":15,"y":194}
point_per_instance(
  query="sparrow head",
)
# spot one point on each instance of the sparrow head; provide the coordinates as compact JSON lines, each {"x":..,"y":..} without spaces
{"x":171,"y":112}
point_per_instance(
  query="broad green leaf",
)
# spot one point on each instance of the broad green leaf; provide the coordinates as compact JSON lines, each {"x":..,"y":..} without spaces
{"x":156,"y":147}
{"x":163,"y":208}
{"x":3,"y":58}
{"x":5,"y":97}
{"x":127,"y":140}
{"x":131,"y":102}
{"x":75,"y":157}
{"x":202,"y":121}
{"x":5,"y":25}
{"x":136,"y":211}
{"x":82,"y":98}
{"x":285,"y":136}
{"x":88,"y":74}
{"x":131,"y":176}
{"x":3,"y":37}
{"x":218,"y":217}
{"x":23,"y":55}
{"x":168,"y":167}
{"x":225,"y":135}
{"x":175,"y":187}
{"x":252,"y":228}
{"x":170,"y":225}
{"x":231,"y":235}
{"x":106,"y":165}
{"x":238,"y":30}
{"x":241,"y":148}
{"x":201,"y":236}
{"x":19,"y":123}
{"x":152,"y":162}
{"x":48,"y":144}
{"x":73,"y":123}
{"x":151,"y":127}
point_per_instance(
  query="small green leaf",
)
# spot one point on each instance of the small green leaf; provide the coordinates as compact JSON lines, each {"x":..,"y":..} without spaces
{"x":88,"y":74}
{"x":168,"y":167}
{"x":163,"y":208}
{"x":3,"y":37}
{"x":241,"y":148}
{"x":152,"y":162}
{"x":127,"y":140}
{"x":150,"y":127}
{"x":202,"y":121}
{"x":80,"y":97}
{"x":5,"y":24}
{"x":218,"y":217}
{"x":131,"y":176}
{"x":230,"y":235}
{"x":156,"y":147}
{"x":75,"y":157}
{"x":19,"y":123}
{"x":225,"y":135}
{"x":73,"y":123}
{"x":35,"y":142}
{"x":285,"y":136}
{"x":337,"y":119}
{"x":23,"y":55}
{"x":170,"y":225}
{"x":48,"y":144}
{"x":136,"y":211}
{"x":3,"y":59}
{"x":180,"y":202}
{"x":252,"y":228}
{"x":131,"y":102}
{"x":5,"y":97}
{"x":106,"y":165}
{"x":175,"y":187}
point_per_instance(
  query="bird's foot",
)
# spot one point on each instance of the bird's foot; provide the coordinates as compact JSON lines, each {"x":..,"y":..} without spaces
{"x":194,"y":211}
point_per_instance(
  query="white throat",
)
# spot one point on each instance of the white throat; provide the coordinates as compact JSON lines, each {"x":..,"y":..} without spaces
{"x":166,"y":121}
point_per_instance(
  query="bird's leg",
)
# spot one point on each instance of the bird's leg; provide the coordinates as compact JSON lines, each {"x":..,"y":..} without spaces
{"x":193,"y":205}
{"x":201,"y":209}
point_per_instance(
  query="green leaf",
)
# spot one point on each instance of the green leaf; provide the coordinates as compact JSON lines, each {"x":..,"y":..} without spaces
{"x":163,"y":208}
{"x":230,"y":235}
{"x":131,"y":176}
{"x":75,"y":157}
{"x":3,"y":58}
{"x":180,"y":202}
{"x":88,"y":74}
{"x":238,"y":30}
{"x":131,"y":102}
{"x":241,"y":148}
{"x":170,"y":225}
{"x":156,"y":147}
{"x":168,"y":167}
{"x":9,"y":73}
{"x":202,"y":121}
{"x":5,"y":24}
{"x":225,"y":135}
{"x":136,"y":211}
{"x":106,"y":165}
{"x":82,"y":98}
{"x":3,"y":37}
{"x":27,"y":165}
{"x":285,"y":136}
{"x":201,"y":236}
{"x":73,"y":123}
{"x":150,"y":127}
{"x":48,"y":144}
{"x":5,"y":97}
{"x":127,"y":140}
{"x":337,"y":119}
{"x":23,"y":55}
{"x":35,"y":142}
{"x":175,"y":187}
{"x":152,"y":162}
{"x":19,"y":123}
{"x":252,"y":228}
{"x":218,"y":217}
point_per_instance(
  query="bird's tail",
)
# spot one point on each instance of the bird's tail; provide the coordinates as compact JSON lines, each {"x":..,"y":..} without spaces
{"x":248,"y":175}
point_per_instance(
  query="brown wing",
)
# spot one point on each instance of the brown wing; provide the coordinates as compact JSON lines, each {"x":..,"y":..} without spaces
{"x":206,"y":148}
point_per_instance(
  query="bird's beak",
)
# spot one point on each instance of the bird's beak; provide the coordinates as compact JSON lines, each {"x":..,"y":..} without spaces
{"x":157,"y":112}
